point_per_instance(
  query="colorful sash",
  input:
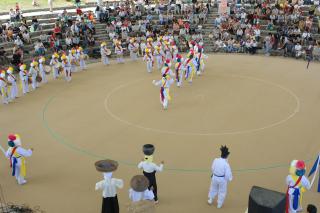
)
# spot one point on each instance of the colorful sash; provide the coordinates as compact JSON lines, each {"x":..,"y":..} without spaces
{"x":296,"y":195}
{"x":177,"y":72}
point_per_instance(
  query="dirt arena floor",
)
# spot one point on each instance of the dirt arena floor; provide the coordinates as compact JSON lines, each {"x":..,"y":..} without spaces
{"x":265,"y":109}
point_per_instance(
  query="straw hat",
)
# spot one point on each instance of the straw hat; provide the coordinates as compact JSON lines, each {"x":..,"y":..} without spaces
{"x":106,"y":165}
{"x":139,"y":183}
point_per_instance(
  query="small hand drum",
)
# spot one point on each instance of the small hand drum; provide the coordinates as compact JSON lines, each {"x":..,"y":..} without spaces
{"x":38,"y":78}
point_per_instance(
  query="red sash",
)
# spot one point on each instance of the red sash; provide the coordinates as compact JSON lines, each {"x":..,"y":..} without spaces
{"x":167,"y":70}
{"x":13,"y":77}
{"x":287,"y":196}
{"x":2,"y":79}
{"x":177,"y":72}
{"x":11,"y":155}
{"x":188,"y":61}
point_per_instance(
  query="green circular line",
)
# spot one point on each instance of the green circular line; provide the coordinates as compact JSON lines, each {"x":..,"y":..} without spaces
{"x":75,"y":148}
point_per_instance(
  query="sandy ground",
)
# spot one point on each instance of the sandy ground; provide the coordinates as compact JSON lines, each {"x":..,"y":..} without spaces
{"x":265,"y":109}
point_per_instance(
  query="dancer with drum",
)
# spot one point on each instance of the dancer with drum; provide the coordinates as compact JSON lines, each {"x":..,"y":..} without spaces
{"x":119,"y":52}
{"x":13,"y":81}
{"x":81,"y":56}
{"x":148,"y":57}
{"x":105,"y":53}
{"x":150,"y":168}
{"x":55,"y":64}
{"x":66,"y":67}
{"x":33,"y":72}
{"x":133,"y":48}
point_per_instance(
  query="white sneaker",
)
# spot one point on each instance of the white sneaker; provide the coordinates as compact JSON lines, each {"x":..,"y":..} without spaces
{"x":21,"y":182}
{"x":219,"y":206}
{"x":210,"y":201}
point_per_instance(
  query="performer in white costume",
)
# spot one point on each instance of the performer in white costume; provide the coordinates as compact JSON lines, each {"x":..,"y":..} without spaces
{"x":66,"y":67}
{"x":4,"y":87}
{"x":133,"y":48}
{"x":297,"y":184}
{"x":221,"y":175}
{"x":159,"y":55}
{"x":139,"y":189}
{"x":119,"y":51}
{"x":16,"y":154}
{"x":33,"y":72}
{"x":164,"y":84}
{"x":24,"y":76}
{"x":42,"y":61}
{"x":105,"y":52}
{"x":55,"y":64}
{"x":108,"y":185}
{"x":179,"y":70}
{"x":72,"y":58}
{"x":81,"y":56}
{"x":13,"y":81}
{"x":148,"y":57}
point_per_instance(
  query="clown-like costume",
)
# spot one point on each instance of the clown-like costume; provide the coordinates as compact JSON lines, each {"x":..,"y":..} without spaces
{"x":297,"y":184}
{"x":13,"y":80}
{"x":221,"y":175}
{"x":66,"y":65}
{"x":159,"y":55}
{"x":42,"y":61}
{"x":104,"y":53}
{"x":164,"y":84}
{"x":179,"y":70}
{"x":148,"y":57}
{"x":4,"y":88}
{"x":23,"y":74}
{"x":72,"y":58}
{"x":167,"y":51}
{"x":81,"y":58}
{"x":33,"y":72}
{"x":189,"y":67}
{"x":119,"y":52}
{"x":55,"y":64}
{"x":199,"y":59}
{"x":16,"y":154}
{"x":133,"y":48}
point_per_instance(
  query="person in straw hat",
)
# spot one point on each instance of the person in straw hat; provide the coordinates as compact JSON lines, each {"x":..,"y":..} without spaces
{"x":119,"y":51}
{"x":221,"y":175}
{"x":16,"y":154}
{"x":139,"y":189}
{"x":159,"y":54}
{"x":133,"y":48}
{"x":4,"y":87}
{"x":81,"y":56}
{"x":13,"y":81}
{"x":108,"y":185}
{"x":23,"y":74}
{"x":105,"y":52}
{"x":66,"y":67}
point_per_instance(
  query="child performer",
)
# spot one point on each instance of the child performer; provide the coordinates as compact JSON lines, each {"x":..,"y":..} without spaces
{"x":221,"y":175}
{"x":24,"y":76}
{"x":16,"y":155}
{"x":159,"y":54}
{"x":42,"y":61}
{"x":164,"y":84}
{"x":119,"y":51}
{"x":139,"y":189}
{"x":133,"y":48}
{"x":4,"y":87}
{"x":81,"y":56}
{"x":148,"y":57}
{"x":105,"y":52}
{"x":14,"y":87}
{"x":66,"y":67}
{"x":179,"y":70}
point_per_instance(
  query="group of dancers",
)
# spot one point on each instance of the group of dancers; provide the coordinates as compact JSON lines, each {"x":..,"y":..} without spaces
{"x":164,"y":53}
{"x":38,"y":71}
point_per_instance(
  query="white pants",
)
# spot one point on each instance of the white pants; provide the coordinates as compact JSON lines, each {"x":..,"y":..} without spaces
{"x":179,"y":83}
{"x":4,"y":95}
{"x":25,"y":86}
{"x":55,"y":72}
{"x":34,"y":82}
{"x":43,"y":76}
{"x":73,"y":68}
{"x":133,"y":56}
{"x":105,"y":60}
{"x":218,"y":187}
{"x":120,"y":58}
{"x":149,"y":66}
{"x":67,"y":73}
{"x":159,"y":61}
{"x":291,"y":210}
{"x":82,"y":64}
{"x":165,"y":102}
{"x":14,"y":91}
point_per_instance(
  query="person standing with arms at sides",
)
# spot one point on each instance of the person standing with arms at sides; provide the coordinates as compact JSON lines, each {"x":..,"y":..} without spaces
{"x":221,"y":175}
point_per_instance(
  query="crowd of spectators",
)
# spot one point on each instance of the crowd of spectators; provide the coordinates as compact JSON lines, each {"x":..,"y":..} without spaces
{"x":289,"y":29}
